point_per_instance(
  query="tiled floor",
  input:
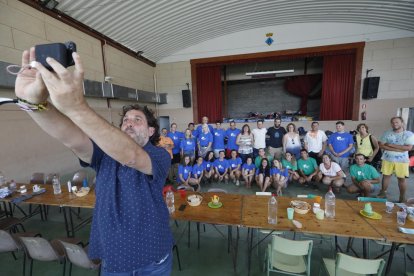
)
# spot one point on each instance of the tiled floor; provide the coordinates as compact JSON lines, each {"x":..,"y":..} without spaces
{"x":212,"y":257}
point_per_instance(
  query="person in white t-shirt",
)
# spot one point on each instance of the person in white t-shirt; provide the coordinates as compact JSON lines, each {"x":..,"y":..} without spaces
{"x":259,"y":135}
{"x":315,"y":142}
{"x":331,"y":173}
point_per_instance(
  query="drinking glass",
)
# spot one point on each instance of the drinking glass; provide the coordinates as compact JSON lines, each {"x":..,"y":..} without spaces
{"x":290,"y":212}
{"x":389,"y":206}
{"x":401,"y":216}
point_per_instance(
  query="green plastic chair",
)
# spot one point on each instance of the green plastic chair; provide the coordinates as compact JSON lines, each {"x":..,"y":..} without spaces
{"x":289,"y":256}
{"x":348,"y":265}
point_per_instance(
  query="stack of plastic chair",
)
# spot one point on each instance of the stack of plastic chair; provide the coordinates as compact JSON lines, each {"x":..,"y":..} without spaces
{"x":76,"y":255}
{"x":40,"y":249}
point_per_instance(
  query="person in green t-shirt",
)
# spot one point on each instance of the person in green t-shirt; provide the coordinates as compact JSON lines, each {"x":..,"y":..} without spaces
{"x":260,"y":156}
{"x":365,"y":178}
{"x":289,"y":162}
{"x":307,"y":168}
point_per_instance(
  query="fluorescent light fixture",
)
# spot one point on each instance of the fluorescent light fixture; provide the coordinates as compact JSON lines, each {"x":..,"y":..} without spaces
{"x":269,"y":72}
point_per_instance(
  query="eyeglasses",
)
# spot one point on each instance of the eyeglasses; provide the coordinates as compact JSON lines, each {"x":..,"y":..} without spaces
{"x":293,"y":141}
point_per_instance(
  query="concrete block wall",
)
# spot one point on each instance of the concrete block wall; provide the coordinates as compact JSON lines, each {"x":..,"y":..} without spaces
{"x":24,"y":147}
{"x":171,"y":78}
{"x":393,"y":61}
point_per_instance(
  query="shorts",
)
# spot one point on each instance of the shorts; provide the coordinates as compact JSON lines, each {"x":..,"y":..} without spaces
{"x":190,"y":153}
{"x":375,"y":188}
{"x":401,"y":170}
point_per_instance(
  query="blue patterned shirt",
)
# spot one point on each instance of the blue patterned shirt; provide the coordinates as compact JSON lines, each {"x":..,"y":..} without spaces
{"x":401,"y":138}
{"x":130,"y":227}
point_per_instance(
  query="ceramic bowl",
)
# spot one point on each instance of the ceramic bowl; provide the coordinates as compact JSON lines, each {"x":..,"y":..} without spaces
{"x":194,"y":200}
{"x":301,"y":207}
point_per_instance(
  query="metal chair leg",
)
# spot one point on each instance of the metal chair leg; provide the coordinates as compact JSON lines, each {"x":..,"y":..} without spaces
{"x":175,"y":247}
{"x":24,"y":264}
{"x":31,"y":267}
{"x":64,"y":267}
{"x":70,"y":269}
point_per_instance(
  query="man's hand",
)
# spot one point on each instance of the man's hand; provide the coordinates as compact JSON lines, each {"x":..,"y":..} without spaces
{"x":29,"y":83}
{"x":65,"y":88}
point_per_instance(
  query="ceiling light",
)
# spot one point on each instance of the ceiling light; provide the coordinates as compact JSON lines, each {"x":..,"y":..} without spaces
{"x":269,"y":72}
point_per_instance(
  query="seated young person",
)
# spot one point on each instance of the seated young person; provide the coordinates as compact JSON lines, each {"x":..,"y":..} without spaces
{"x":263,"y":175}
{"x":221,"y":168}
{"x":365,"y":178}
{"x":289,"y":162}
{"x":331,"y":173}
{"x":248,"y":171}
{"x":184,"y":171}
{"x":279,"y":176}
{"x":208,"y":166}
{"x":308,"y":169}
{"x":260,"y":156}
{"x":235,"y":167}
{"x":197,"y":174}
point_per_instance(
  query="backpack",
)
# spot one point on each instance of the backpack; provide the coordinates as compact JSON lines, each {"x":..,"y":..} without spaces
{"x":376,"y":161}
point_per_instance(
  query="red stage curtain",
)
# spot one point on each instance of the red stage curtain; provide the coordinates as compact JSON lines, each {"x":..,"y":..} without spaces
{"x":301,"y":86}
{"x":337,"y":87}
{"x":209,"y":95}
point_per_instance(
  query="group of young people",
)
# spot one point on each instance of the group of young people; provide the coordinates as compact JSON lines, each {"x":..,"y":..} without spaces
{"x":275,"y":156}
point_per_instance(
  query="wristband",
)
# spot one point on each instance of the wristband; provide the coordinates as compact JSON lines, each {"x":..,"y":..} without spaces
{"x":28,"y":106}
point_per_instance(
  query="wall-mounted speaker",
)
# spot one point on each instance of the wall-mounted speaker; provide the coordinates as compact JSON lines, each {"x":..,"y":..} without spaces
{"x":186,"y":98}
{"x":370,"y":90}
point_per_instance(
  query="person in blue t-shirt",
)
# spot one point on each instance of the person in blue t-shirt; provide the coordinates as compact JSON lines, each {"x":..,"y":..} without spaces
{"x":248,"y":171}
{"x":218,"y":139}
{"x":235,"y":167}
{"x":184,"y":171}
{"x":209,"y":166}
{"x":193,"y":131}
{"x":279,"y":176}
{"x":197,"y":174}
{"x":176,"y":137}
{"x":340,"y":145}
{"x":263,"y":175}
{"x":204,"y":141}
{"x":188,"y":145}
{"x":204,"y":121}
{"x":221,"y":168}
{"x":231,"y":135}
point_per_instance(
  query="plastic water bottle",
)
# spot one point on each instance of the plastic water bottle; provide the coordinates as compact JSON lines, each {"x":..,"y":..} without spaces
{"x":56,"y":185}
{"x":69,"y":186}
{"x":2,"y":179}
{"x":169,"y":199}
{"x":330,"y":204}
{"x":272,"y":210}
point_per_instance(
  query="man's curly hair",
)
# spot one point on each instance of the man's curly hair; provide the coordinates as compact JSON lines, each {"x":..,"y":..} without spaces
{"x":149,"y":115}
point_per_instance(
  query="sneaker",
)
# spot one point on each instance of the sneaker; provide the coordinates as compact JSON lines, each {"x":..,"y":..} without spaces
{"x":237,"y":183}
{"x":382,"y":194}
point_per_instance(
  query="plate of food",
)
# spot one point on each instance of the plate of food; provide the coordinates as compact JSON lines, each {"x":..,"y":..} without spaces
{"x":301,"y":207}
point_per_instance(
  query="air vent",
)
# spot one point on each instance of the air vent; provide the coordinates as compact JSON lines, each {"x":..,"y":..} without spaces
{"x":92,"y":88}
{"x":147,"y":97}
{"x":124,"y":93}
{"x":162,"y":98}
